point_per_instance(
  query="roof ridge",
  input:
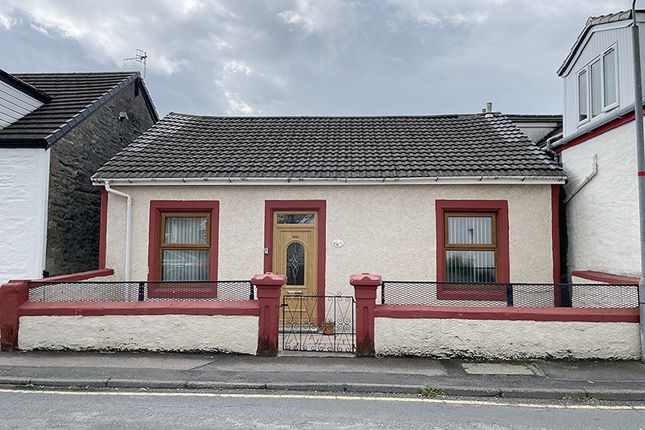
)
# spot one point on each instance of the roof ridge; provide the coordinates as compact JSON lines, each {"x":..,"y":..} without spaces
{"x":455,"y":115}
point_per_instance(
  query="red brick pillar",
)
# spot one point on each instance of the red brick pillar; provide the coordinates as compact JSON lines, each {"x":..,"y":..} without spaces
{"x":268,"y":287}
{"x":12,"y":295}
{"x":365,"y":286}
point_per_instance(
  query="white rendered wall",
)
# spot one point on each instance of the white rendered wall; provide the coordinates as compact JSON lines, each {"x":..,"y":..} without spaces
{"x":389,"y":229}
{"x":24,"y":176}
{"x":235,"y":334}
{"x":14,"y":104}
{"x":602,"y":219}
{"x":503,"y":339}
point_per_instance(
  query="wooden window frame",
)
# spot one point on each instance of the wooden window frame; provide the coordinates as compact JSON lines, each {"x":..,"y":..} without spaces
{"x":500,"y":238}
{"x":159,"y":210}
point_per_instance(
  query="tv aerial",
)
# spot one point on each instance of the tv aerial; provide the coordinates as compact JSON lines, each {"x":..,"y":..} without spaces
{"x":140,"y":57}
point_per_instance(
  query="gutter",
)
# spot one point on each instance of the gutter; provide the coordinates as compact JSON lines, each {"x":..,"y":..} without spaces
{"x":128,"y":234}
{"x":457,"y":180}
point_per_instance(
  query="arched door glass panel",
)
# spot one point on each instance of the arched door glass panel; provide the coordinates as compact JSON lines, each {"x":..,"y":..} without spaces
{"x":295,"y":264}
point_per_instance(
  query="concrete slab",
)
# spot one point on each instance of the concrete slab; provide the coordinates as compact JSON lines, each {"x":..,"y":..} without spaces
{"x":605,"y":371}
{"x":497,"y":369}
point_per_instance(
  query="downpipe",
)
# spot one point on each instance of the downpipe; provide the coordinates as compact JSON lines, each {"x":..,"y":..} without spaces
{"x":128,"y":235}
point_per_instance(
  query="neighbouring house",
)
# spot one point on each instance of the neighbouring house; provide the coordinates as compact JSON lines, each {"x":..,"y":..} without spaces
{"x":538,"y":128}
{"x":56,"y":130}
{"x":598,"y":152}
{"x":463,"y":198}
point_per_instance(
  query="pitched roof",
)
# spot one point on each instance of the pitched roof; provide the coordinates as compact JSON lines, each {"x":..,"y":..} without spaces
{"x":592,"y":21}
{"x":191,"y":147}
{"x":72,"y":98}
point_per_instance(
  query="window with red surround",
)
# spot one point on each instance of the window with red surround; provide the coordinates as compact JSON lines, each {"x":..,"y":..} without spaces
{"x":472,"y":249}
{"x":183,"y":246}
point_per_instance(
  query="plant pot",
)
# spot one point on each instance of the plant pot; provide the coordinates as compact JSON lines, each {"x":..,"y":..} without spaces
{"x":328,"y":329}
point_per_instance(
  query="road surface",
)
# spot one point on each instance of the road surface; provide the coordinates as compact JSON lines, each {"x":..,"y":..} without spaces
{"x":26,"y":409}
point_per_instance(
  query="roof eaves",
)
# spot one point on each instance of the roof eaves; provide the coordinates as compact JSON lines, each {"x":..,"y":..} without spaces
{"x":24,"y":87}
{"x":90,"y":109}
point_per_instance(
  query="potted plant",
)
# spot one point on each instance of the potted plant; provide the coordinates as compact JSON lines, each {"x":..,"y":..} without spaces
{"x":328,"y":328}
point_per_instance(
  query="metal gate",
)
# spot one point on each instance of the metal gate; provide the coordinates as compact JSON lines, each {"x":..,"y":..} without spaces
{"x":318,"y":323}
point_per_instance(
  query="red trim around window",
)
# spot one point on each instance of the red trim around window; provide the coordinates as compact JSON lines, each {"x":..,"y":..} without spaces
{"x":103,"y":229}
{"x":320,"y":206}
{"x":156,"y":209}
{"x":500,"y":207}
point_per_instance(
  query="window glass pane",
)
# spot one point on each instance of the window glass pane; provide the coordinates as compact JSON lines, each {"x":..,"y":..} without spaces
{"x":296,"y":218}
{"x":186,"y":230}
{"x":609,"y":70}
{"x":184,"y":265}
{"x":470,"y":266}
{"x":582,"y":97}
{"x":596,"y":100}
{"x":295,"y":264}
{"x":470,"y":230}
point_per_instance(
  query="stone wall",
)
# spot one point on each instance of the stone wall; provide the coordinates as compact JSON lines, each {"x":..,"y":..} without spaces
{"x":74,"y":203}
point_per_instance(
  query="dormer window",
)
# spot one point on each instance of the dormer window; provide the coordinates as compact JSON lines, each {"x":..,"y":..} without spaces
{"x":598,"y":86}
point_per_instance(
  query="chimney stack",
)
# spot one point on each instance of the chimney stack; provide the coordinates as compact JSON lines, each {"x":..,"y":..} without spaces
{"x":488,"y":110}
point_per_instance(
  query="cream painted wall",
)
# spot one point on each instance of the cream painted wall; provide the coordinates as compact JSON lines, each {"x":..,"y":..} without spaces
{"x":236,"y":334}
{"x":603,"y":217}
{"x":504,"y":339}
{"x":386,"y":229}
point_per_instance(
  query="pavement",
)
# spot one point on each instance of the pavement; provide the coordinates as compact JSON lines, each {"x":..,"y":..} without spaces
{"x":545,"y":379}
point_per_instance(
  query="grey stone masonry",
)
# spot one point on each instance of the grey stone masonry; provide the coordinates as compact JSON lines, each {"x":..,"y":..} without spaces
{"x":74,"y":203}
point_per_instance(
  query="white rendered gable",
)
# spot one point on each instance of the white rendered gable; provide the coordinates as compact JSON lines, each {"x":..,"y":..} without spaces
{"x":14,"y":104}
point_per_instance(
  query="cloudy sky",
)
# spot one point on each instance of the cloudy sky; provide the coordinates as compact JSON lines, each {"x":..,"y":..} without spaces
{"x":311,"y":57}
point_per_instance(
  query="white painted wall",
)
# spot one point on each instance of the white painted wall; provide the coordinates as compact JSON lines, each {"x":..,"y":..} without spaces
{"x":235,"y":334}
{"x":14,"y":104}
{"x":503,"y":339}
{"x":386,"y":229}
{"x":602,"y":219}
{"x":24,"y":180}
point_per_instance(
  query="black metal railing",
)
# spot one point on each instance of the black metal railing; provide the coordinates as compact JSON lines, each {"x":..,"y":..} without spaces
{"x":116,"y":291}
{"x":535,"y":295}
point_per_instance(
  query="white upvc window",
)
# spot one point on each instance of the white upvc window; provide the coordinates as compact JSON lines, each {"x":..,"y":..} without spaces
{"x":598,"y":86}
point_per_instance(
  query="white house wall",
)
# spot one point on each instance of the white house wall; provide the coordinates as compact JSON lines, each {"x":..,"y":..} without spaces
{"x":24,"y":177}
{"x":14,"y":104}
{"x":217,"y":333}
{"x":506,"y":339}
{"x":388,"y":229}
{"x":602,"y":218}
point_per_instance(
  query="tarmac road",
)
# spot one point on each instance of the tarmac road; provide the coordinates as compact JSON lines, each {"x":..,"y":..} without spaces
{"x":25,"y":409}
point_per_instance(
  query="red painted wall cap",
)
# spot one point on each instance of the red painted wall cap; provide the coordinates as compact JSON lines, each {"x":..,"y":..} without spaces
{"x":268,"y":278}
{"x":365,"y":279}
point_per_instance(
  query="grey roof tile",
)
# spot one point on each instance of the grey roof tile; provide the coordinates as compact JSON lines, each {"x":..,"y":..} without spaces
{"x":187,"y":146}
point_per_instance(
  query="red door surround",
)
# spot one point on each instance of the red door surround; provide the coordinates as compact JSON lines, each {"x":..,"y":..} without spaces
{"x":319,"y":206}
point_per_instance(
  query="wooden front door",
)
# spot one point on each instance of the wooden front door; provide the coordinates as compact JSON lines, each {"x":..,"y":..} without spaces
{"x":295,"y":251}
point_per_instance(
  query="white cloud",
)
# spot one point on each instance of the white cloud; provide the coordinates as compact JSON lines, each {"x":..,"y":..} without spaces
{"x":6,"y":21}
